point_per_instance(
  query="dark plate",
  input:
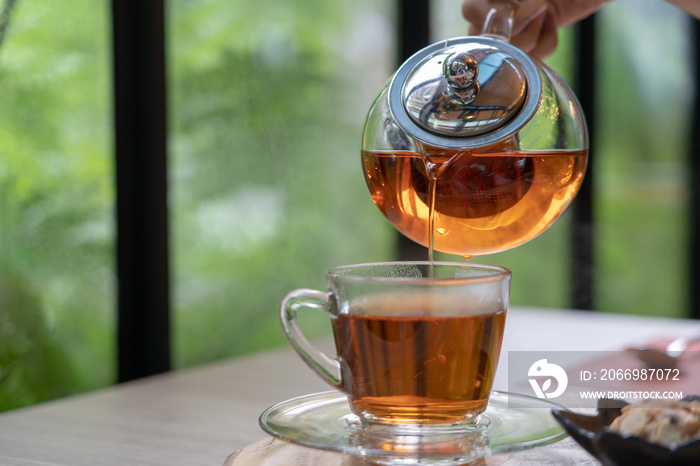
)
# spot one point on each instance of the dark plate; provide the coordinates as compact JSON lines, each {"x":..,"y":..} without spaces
{"x":613,"y":449}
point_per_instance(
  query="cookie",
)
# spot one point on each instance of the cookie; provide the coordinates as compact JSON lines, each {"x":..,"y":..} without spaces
{"x":666,"y":422}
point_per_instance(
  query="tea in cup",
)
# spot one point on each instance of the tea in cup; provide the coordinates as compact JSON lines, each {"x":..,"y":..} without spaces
{"x":417,"y":342}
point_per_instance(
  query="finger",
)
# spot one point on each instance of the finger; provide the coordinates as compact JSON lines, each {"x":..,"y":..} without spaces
{"x":528,"y":12}
{"x":529,"y":37}
{"x":534,"y":28}
{"x":475,"y":11}
{"x":547,"y":43}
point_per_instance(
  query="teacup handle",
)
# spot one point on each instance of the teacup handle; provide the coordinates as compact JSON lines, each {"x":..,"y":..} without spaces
{"x":328,"y":368}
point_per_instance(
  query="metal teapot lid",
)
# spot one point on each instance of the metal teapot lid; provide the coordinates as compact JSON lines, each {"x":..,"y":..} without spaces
{"x":465,"y":92}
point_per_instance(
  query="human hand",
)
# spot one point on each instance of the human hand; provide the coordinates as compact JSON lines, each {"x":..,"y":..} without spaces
{"x":536,"y":22}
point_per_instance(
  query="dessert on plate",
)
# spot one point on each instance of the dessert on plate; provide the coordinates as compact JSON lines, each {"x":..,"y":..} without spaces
{"x":665,"y":422}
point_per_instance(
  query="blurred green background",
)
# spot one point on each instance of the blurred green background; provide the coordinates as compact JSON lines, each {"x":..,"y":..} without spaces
{"x":266,"y":103}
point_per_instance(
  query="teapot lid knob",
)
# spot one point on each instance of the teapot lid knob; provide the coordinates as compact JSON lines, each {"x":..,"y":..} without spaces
{"x":460,"y":70}
{"x":465,"y":92}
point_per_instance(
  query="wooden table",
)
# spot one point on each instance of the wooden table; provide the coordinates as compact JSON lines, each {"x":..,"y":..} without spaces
{"x":201,"y":416}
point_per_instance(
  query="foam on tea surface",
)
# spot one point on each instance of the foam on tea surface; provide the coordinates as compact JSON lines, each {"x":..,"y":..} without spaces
{"x":426,"y":304}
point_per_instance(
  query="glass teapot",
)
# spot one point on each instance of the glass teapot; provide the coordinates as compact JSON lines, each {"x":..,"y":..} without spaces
{"x":474,"y":147}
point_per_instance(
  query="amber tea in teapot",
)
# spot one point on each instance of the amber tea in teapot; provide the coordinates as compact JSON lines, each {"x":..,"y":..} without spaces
{"x":482,"y":201}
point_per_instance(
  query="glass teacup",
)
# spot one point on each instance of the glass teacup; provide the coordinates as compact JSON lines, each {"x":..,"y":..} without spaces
{"x":417,"y":342}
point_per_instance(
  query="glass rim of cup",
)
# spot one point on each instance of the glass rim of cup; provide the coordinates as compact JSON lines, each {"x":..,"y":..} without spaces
{"x":491,"y":272}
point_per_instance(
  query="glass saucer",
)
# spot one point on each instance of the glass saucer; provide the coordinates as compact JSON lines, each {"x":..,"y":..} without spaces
{"x":323,"y":420}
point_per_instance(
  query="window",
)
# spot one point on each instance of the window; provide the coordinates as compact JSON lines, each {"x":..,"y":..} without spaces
{"x":56,"y":203}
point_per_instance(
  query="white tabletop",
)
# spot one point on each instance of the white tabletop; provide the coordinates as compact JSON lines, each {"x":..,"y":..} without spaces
{"x":201,"y":416}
